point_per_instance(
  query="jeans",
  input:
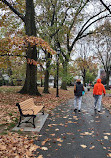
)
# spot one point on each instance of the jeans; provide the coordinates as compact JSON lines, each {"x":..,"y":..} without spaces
{"x":77,"y":100}
{"x":97,"y":103}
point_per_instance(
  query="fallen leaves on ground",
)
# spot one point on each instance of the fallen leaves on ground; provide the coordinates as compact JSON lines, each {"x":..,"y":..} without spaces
{"x":92,"y":147}
{"x":59,"y":140}
{"x":109,"y":134}
{"x":106,"y":137}
{"x":87,"y":133}
{"x":107,"y":102}
{"x":14,"y":145}
{"x":109,"y":155}
{"x":83,"y":146}
{"x":46,"y":140}
{"x":44,"y":148}
{"x":9,"y":111}
{"x":40,"y":156}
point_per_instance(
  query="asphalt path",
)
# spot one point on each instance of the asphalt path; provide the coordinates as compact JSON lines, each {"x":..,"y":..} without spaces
{"x":67,"y":134}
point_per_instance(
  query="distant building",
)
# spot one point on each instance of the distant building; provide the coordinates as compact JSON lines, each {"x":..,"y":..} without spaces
{"x":4,"y":79}
{"x":51,"y":81}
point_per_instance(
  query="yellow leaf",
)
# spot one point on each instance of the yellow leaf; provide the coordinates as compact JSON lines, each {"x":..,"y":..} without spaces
{"x":2,"y":147}
{"x":83,"y":146}
{"x":57,"y":129}
{"x":59,"y":140}
{"x":52,"y":134}
{"x":44,"y":148}
{"x":109,"y":154}
{"x":40,"y":156}
{"x":106,"y":137}
{"x":92,"y":147}
{"x":107,"y":134}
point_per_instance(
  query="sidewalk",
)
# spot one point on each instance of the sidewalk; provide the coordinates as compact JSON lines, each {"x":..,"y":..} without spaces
{"x":81,"y":135}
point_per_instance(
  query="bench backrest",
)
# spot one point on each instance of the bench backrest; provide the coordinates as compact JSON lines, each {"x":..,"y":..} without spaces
{"x":27,"y":104}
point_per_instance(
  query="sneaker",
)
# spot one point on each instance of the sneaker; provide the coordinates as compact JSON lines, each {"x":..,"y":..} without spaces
{"x":79,"y":110}
{"x":75,"y":110}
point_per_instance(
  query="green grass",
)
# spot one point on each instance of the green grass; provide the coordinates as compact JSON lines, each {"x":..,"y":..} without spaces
{"x":4,"y":133}
{"x":11,"y":125}
{"x":108,"y":91}
{"x":10,"y":114}
{"x":9,"y":89}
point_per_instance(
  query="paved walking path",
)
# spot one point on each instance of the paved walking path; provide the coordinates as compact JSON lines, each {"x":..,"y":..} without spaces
{"x":81,"y":135}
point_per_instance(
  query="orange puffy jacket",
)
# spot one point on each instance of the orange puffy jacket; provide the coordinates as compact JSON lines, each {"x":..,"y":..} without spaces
{"x":99,"y":88}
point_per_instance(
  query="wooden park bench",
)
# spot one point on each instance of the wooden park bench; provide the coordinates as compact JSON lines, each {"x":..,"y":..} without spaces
{"x":27,"y":108}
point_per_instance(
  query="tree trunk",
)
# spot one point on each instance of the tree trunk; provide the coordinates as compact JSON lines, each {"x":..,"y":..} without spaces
{"x":64,"y":77}
{"x":30,"y":85}
{"x":46,"y":80}
{"x":84,"y":77}
{"x":41,"y":84}
{"x":107,"y":79}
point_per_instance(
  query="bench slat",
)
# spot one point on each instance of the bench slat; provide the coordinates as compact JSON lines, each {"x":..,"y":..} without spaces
{"x":35,"y":110}
{"x":29,"y":103}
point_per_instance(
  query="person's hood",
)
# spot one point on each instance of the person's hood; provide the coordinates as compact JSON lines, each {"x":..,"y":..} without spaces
{"x":78,"y":80}
{"x":98,"y":80}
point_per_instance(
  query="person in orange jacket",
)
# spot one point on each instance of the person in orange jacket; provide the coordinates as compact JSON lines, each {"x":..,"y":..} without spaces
{"x":98,"y":90}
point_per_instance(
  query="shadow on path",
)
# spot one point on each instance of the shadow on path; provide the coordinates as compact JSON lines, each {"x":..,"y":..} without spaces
{"x":67,"y":134}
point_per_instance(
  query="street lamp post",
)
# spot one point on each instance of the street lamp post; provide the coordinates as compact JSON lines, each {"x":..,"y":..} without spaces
{"x":57,"y":78}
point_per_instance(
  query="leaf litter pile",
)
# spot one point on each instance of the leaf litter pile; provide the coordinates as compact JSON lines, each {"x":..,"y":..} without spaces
{"x":22,"y":146}
{"x":107,"y":102}
{"x":13,"y":145}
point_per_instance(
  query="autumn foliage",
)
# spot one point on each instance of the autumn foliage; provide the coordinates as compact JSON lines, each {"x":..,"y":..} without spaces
{"x":15,"y":46}
{"x":23,"y":42}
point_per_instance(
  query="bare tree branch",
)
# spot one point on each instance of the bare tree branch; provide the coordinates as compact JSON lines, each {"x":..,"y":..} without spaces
{"x":77,"y":13}
{"x":90,"y":20}
{"x":14,"y":10}
{"x":79,"y":35}
{"x":60,"y":24}
{"x":92,"y":23}
{"x":17,"y":55}
{"x":105,"y":6}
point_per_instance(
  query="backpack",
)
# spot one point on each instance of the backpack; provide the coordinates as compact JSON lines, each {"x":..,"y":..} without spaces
{"x":78,"y":89}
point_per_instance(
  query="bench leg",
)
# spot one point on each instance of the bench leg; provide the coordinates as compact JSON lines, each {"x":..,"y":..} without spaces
{"x":33,"y":122}
{"x":19,"y":122}
{"x":43,"y":110}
